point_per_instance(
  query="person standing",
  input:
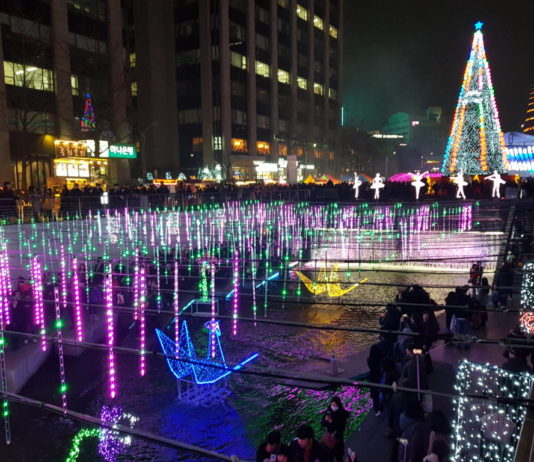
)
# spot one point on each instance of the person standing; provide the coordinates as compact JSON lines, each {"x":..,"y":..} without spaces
{"x":305,"y":448}
{"x":335,"y":421}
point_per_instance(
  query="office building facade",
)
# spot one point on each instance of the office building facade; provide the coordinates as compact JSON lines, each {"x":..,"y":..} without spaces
{"x":248,"y":84}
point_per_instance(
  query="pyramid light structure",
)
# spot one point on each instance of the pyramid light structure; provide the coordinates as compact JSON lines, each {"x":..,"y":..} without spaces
{"x":476,"y":143}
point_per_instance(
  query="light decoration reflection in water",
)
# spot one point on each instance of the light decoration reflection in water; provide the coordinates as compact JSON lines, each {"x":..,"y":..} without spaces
{"x":488,"y":429}
{"x":203,"y":371}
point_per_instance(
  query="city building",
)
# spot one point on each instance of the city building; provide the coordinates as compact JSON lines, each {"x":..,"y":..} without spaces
{"x":520,"y":152}
{"x":423,"y":138}
{"x":528,"y":125}
{"x":252,"y":85}
{"x":55,"y":53}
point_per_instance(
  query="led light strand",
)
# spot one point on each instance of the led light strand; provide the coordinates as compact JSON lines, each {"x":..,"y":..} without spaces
{"x":77,"y":299}
{"x":59,"y":324}
{"x":108,"y":297}
{"x":235,"y":300}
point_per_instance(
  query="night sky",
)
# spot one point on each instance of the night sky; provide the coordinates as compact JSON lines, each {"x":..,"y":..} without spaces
{"x":406,"y":55}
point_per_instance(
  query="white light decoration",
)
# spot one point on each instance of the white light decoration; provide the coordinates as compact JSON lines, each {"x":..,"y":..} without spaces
{"x":357,"y":184}
{"x":527,"y":297}
{"x":460,"y":183}
{"x":497,"y":182}
{"x":418,"y":182}
{"x":488,"y":429}
{"x":377,"y":185}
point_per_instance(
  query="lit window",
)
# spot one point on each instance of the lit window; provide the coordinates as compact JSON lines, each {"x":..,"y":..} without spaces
{"x":318,"y":154}
{"x":263,"y":69}
{"x":283,"y":3}
{"x":332,"y":94}
{"x":333,"y":31}
{"x":263,"y":147}
{"x":302,"y":83}
{"x":238,"y":60}
{"x":300,"y":152}
{"x":283,"y":76}
{"x":302,"y":13}
{"x":318,"y":22}
{"x":197,"y":143}
{"x":318,"y":89}
{"x":217,"y":143}
{"x":133,"y":60}
{"x":32,"y":77}
{"x":133,"y":88}
{"x":331,"y":155}
{"x":239,"y":145}
{"x":283,"y":149}
{"x":74,"y":85}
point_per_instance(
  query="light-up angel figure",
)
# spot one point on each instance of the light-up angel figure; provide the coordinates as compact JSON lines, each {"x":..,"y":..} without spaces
{"x":460,"y":183}
{"x":418,"y":182}
{"x":377,"y":185}
{"x":357,"y":184}
{"x":497,"y":182}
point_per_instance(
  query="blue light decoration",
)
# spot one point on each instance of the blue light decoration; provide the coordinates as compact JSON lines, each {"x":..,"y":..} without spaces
{"x":476,"y":143}
{"x":520,"y":149}
{"x":488,"y":429}
{"x":187,"y":364}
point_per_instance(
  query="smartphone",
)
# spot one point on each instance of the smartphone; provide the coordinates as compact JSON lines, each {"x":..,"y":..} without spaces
{"x":417,"y":351}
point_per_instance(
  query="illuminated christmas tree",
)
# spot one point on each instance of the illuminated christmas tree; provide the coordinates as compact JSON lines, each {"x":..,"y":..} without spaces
{"x":528,"y":126}
{"x":88,"y":122}
{"x":476,"y":144}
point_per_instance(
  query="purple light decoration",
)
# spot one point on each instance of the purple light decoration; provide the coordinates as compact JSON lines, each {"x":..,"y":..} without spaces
{"x":38,"y":304}
{"x":5,"y":289}
{"x":235,"y":300}
{"x":213,"y":337}
{"x":111,"y":443}
{"x":176,"y":304}
{"x":407,"y":177}
{"x":63,"y":280}
{"x":136,"y":286}
{"x":77,"y":297}
{"x":3,"y":369}
{"x":142,"y":320}
{"x":108,"y":297}
{"x":59,"y":323}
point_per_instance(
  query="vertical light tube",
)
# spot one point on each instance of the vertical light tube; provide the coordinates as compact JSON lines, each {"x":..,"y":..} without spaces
{"x":235,"y":300}
{"x":176,"y":304}
{"x":39,"y":317}
{"x":142,"y":320}
{"x":77,"y":298}
{"x":213,"y":339}
{"x":108,"y":297}
{"x":59,"y":325}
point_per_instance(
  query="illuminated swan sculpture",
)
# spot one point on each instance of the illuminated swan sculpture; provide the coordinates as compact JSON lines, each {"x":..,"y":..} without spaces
{"x":184,"y":362}
{"x":327,"y":283}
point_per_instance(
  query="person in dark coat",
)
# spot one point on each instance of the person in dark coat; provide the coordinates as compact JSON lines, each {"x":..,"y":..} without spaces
{"x":269,"y":448}
{"x":414,"y":434}
{"x":516,"y":363}
{"x":374,"y":361}
{"x":335,"y":421}
{"x":305,"y":448}
{"x":390,"y":321}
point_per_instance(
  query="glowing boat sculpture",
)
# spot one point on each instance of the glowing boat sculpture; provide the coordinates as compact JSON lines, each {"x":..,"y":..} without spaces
{"x":184,"y":363}
{"x":327,"y":283}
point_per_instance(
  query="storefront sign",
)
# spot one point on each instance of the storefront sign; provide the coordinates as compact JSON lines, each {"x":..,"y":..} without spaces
{"x":65,"y":149}
{"x":120,"y":151}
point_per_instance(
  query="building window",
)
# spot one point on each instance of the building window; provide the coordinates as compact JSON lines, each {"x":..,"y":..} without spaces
{"x":262,"y":42}
{"x":318,"y":89}
{"x":318,"y":154}
{"x":282,"y":149}
{"x":283,"y":26}
{"x":133,"y":88}
{"x":238,"y":60}
{"x":263,"y":147}
{"x":32,"y":77}
{"x":189,"y":116}
{"x":282,"y":125}
{"x":197,"y":144}
{"x":318,"y":22}
{"x":302,"y":13}
{"x":75,"y":85}
{"x":188,"y":57}
{"x":331,"y":155}
{"x":283,"y":3}
{"x":239,"y":145}
{"x":263,"y":69}
{"x":333,"y":31}
{"x":283,"y":76}
{"x":237,"y":31}
{"x":262,"y":14}
{"x":133,"y":59}
{"x":239,"y":117}
{"x":263,"y":121}
{"x":332,"y":94}
{"x":185,"y":29}
{"x":300,"y":151}
{"x":302,"y":83}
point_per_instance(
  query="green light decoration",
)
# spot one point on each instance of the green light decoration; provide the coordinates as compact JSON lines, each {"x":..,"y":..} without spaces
{"x":79,"y":438}
{"x":476,"y":143}
{"x":88,"y":121}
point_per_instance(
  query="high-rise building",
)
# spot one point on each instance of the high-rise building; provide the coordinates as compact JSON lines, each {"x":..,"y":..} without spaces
{"x":247,"y":83}
{"x":528,"y":126}
{"x":54,"y":53}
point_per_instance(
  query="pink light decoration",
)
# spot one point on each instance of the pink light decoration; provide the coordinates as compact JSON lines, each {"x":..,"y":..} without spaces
{"x":108,"y":297}
{"x":527,"y":321}
{"x":142,"y":320}
{"x":59,"y":323}
{"x":38,"y":304}
{"x":77,"y":297}
{"x":235,"y":300}
{"x":63,"y":280}
{"x":136,"y":286}
{"x":213,"y":338}
{"x":5,"y":289}
{"x":407,"y":177}
{"x":176,"y":305}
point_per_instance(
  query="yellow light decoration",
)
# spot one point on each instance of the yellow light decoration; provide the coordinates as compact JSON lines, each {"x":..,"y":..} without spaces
{"x":327,"y":283}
